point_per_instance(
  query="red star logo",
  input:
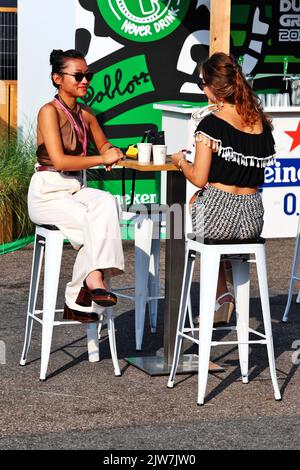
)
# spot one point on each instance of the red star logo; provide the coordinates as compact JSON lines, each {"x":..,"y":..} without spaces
{"x":295,"y":135}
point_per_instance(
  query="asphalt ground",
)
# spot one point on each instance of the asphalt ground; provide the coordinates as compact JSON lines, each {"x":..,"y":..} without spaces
{"x":83,"y":405}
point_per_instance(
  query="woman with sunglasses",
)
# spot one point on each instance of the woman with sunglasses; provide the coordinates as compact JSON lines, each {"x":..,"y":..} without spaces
{"x":88,"y":218}
{"x":234,"y":144}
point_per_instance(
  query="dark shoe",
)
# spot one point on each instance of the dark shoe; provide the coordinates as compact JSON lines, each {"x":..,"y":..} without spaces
{"x":70,"y":314}
{"x":99,"y":296}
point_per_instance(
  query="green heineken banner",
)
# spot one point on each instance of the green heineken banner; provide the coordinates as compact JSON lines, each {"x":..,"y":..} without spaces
{"x":286,"y":28}
{"x":142,"y":52}
{"x":146,"y":51}
{"x":144,"y":20}
{"x":267,"y":33}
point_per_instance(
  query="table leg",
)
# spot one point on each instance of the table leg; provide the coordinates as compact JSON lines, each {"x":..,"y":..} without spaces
{"x":175,"y":252}
{"x":176,"y":195}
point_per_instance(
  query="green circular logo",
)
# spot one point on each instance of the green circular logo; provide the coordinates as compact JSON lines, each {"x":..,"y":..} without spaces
{"x":143,"y":20}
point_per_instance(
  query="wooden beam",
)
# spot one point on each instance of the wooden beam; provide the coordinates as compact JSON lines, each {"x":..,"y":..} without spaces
{"x":8,"y":10}
{"x":219,"y":26}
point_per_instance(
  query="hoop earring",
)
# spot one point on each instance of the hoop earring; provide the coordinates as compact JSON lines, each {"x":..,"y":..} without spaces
{"x":220,"y":104}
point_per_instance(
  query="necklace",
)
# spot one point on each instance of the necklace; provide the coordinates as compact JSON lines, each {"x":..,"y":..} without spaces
{"x":65,"y":104}
{"x":81,"y":133}
{"x":203,"y":112}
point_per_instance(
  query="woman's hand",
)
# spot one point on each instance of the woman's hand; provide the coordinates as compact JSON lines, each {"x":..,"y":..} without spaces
{"x":111,"y":157}
{"x":176,"y":157}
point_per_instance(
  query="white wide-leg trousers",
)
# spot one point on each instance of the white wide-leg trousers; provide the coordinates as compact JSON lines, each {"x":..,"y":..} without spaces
{"x":89,"y":219}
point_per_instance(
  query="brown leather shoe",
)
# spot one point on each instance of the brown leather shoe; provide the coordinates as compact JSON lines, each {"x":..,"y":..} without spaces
{"x":82,"y":317}
{"x":99,"y":296}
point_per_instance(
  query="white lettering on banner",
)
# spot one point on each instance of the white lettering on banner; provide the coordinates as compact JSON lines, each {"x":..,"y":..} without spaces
{"x":289,"y":20}
{"x":138,"y":198}
{"x":282,"y":174}
{"x":287,"y":5}
{"x":289,"y":35}
{"x":145,"y":30}
{"x":136,"y":30}
{"x":162,"y":24}
{"x":154,"y":6}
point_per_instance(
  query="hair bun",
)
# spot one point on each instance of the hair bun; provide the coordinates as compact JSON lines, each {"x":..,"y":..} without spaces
{"x":55,"y":54}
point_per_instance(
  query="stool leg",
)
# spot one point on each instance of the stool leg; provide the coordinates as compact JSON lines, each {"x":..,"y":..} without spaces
{"x":53,"y":254}
{"x":190,"y":314}
{"x":92,"y":342}
{"x":209,"y":270}
{"x":184,"y":299}
{"x":153,"y":283}
{"x":34,"y":285}
{"x":240,"y":271}
{"x":264,"y":296}
{"x":143,"y":241}
{"x":292,"y":279}
{"x":112,"y":340}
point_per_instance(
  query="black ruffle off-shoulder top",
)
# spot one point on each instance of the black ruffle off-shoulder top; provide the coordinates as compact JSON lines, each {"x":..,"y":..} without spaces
{"x":239,"y":158}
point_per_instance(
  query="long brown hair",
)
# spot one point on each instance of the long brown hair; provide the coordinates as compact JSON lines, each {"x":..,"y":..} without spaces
{"x":224,"y":75}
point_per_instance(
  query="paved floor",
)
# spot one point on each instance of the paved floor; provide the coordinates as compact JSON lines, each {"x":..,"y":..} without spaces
{"x":83,"y":405}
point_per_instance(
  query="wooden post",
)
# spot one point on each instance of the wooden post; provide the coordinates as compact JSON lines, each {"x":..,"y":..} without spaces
{"x":8,"y":122}
{"x":6,"y":223}
{"x":8,"y":88}
{"x":8,"y":102}
{"x":220,"y":26}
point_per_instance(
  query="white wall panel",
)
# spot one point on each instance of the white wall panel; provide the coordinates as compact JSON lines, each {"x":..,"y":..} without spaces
{"x":43,"y":25}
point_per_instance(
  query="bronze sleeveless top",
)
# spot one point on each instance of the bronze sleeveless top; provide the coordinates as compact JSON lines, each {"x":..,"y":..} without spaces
{"x":71,"y":143}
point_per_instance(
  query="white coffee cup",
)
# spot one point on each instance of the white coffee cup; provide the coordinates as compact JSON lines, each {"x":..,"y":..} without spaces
{"x":159,"y":154}
{"x":286,"y":100}
{"x":279,"y":99}
{"x":270,"y":100}
{"x":144,"y":152}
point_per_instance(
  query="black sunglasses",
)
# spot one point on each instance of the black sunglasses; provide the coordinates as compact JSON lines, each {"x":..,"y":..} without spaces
{"x":80,"y":75}
{"x":201,"y":84}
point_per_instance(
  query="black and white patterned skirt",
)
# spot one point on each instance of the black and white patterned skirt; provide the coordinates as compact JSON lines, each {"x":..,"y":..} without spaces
{"x":220,"y":215}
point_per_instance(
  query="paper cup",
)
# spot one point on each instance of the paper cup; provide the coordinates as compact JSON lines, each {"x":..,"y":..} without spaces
{"x":286,"y":100}
{"x":159,"y":154}
{"x":278,"y":99}
{"x":270,"y":100}
{"x":144,"y":152}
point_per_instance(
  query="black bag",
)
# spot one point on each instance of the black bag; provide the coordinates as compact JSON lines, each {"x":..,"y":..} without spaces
{"x":151,"y":137}
{"x":154,"y":137}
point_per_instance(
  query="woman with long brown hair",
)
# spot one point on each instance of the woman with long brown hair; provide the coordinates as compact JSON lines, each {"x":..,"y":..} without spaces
{"x":234,"y":144}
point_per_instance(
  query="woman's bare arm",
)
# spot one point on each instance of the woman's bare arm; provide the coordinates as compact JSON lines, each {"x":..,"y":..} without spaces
{"x":197,"y":172}
{"x":48,"y":124}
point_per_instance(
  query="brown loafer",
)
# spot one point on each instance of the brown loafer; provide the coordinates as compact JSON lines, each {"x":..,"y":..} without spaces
{"x":82,"y":317}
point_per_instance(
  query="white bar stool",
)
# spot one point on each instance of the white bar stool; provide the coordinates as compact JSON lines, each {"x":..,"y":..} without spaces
{"x":211,"y":252}
{"x":295,"y":276}
{"x":49,"y":239}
